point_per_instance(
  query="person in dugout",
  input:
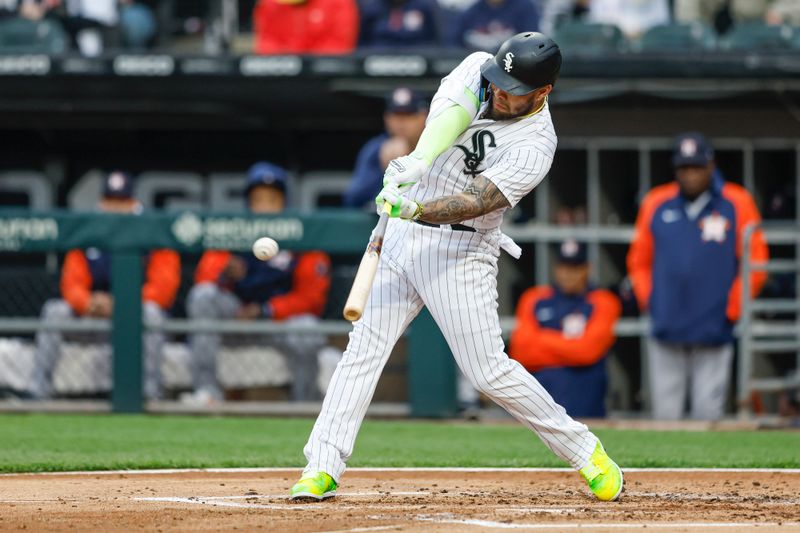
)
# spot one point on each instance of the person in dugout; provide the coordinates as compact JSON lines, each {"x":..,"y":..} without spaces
{"x":685,"y":266}
{"x":564,"y":332}
{"x":404,"y":120}
{"x":86,"y":292}
{"x":289,"y":287}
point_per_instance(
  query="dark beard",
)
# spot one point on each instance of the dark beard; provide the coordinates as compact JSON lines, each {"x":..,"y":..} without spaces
{"x":492,"y":114}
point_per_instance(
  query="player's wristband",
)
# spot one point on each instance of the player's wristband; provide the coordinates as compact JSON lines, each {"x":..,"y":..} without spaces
{"x":418,"y":212}
{"x":266,"y":310}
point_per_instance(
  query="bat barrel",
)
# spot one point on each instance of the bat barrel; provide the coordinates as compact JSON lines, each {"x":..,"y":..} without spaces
{"x":362,"y":284}
{"x":359,"y":292}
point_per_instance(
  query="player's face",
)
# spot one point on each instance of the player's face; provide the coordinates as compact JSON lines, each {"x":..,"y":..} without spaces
{"x":266,"y":200}
{"x":507,"y":106}
{"x":694,"y":180}
{"x":118,"y":205}
{"x":407,"y":126}
{"x":571,"y":279}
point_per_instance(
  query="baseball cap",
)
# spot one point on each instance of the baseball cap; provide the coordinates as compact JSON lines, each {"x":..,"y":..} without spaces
{"x":691,"y":149}
{"x":263,"y":173}
{"x":118,"y":184}
{"x":405,"y":100}
{"x":572,"y":252}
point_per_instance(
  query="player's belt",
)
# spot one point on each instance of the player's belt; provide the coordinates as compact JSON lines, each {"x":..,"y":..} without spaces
{"x":456,"y":227}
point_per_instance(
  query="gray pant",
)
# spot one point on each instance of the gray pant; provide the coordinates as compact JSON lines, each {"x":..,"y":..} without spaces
{"x":48,"y":348}
{"x":674,"y":368}
{"x":207,"y":301}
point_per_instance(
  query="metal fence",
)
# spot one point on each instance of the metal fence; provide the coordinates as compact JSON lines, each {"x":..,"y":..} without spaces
{"x":770,"y":327}
{"x":253,"y":367}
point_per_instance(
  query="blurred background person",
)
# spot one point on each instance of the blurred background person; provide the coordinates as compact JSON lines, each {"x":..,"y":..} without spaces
{"x":557,"y":12}
{"x":305,"y":26}
{"x":290,"y":286}
{"x":633,"y":17}
{"x":404,"y":120}
{"x":86,"y":292}
{"x":399,"y":23}
{"x":137,"y":23}
{"x":488,"y":23}
{"x":723,"y":13}
{"x":684,"y":266}
{"x":96,"y":25}
{"x":783,"y":12}
{"x":564,"y":331}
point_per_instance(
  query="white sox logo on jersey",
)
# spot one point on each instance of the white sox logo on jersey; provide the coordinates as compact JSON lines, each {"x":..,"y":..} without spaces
{"x":507,"y":61}
{"x":472,"y":159}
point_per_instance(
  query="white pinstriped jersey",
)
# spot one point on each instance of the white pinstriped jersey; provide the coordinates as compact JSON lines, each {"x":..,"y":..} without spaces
{"x":514,"y":154}
{"x":453,"y":273}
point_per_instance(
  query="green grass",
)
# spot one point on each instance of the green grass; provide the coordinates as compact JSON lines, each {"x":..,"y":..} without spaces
{"x":39,"y":443}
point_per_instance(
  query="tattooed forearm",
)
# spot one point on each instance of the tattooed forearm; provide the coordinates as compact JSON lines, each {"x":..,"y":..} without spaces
{"x":449,"y":209}
{"x":480,"y":197}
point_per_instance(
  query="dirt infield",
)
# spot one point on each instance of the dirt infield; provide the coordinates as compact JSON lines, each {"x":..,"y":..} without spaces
{"x":399,"y":500}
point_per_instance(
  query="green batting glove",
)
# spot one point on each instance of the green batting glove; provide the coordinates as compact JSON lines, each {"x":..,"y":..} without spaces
{"x":399,"y":207}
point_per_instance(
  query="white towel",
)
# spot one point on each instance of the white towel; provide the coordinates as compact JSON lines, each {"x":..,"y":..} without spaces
{"x":508,"y":244}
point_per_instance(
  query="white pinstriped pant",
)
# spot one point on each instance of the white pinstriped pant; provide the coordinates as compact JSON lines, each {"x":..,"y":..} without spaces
{"x":453,"y":273}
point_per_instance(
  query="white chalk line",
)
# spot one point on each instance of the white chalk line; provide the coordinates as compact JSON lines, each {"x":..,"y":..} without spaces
{"x":471,"y":522}
{"x":216,"y":503}
{"x":560,"y":526}
{"x":536,"y":510}
{"x":359,"y":529}
{"x":283,"y":496}
{"x":299,"y":507}
{"x":710,"y":498}
{"x":297,"y":470}
{"x":609,"y":525}
{"x":212,"y":500}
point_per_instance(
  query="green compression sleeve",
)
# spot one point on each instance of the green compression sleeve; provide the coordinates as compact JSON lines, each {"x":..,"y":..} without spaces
{"x":440,"y":132}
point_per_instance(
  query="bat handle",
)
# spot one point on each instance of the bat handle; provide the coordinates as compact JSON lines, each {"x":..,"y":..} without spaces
{"x":380,"y":227}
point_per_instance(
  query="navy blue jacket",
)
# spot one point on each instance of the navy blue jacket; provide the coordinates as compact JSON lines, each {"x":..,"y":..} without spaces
{"x":265,"y":279}
{"x":368,"y":175}
{"x":287,"y":285}
{"x":411,"y":23}
{"x":485,"y":27}
{"x":563,"y":341}
{"x":686,"y":270}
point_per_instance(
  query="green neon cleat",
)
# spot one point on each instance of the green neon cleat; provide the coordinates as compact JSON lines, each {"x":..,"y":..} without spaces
{"x":603,"y":475}
{"x":314,"y":485}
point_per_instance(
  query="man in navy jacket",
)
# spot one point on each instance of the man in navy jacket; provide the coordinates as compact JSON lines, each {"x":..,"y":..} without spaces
{"x":488,"y":23}
{"x":406,"y":111}
{"x":684,"y":265}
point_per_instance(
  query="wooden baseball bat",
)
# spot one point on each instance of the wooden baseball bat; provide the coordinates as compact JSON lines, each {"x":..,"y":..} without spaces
{"x":362,"y":284}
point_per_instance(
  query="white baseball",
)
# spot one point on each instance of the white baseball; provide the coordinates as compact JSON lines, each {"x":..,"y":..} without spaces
{"x":265,"y":248}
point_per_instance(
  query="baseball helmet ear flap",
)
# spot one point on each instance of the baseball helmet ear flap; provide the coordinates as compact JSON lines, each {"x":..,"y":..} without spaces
{"x":484,"y":94}
{"x":524,"y":63}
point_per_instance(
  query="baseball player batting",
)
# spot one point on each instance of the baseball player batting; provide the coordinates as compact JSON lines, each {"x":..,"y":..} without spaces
{"x":488,"y":141}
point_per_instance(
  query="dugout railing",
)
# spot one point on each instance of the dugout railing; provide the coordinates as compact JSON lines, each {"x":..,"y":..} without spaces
{"x":430,"y":369}
{"x":431,"y":373}
{"x":769,"y":328}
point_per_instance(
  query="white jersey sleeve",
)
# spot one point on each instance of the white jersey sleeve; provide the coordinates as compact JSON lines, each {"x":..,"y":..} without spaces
{"x":518,"y":171}
{"x":462,"y":86}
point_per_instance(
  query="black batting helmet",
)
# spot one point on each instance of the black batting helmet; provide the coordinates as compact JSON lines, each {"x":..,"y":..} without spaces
{"x":524,"y":63}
